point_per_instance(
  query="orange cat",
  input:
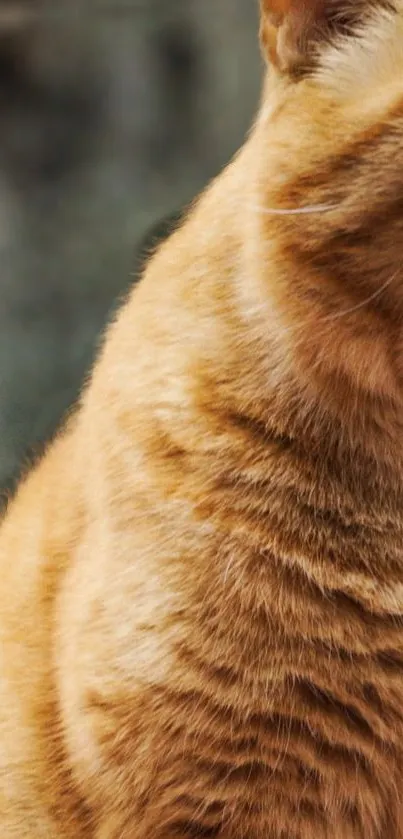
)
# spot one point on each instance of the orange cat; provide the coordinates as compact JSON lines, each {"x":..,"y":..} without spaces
{"x":201,"y":605}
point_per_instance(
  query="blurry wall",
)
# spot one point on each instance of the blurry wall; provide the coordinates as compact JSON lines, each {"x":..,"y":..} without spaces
{"x":114,"y":114}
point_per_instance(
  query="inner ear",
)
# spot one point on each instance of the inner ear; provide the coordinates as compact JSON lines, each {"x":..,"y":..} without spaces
{"x":292,"y":30}
{"x":288,"y":30}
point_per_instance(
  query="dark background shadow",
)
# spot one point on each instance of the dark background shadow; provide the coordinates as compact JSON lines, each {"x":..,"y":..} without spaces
{"x":113,"y":116}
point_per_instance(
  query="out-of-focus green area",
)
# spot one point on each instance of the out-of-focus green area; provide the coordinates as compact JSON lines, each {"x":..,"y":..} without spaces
{"x":114,"y":114}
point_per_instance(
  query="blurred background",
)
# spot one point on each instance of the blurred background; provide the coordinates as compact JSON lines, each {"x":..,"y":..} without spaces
{"x":114,"y":114}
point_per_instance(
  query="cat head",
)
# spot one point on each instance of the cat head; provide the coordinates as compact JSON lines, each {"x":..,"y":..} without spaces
{"x":294,"y":32}
{"x":330,"y":180}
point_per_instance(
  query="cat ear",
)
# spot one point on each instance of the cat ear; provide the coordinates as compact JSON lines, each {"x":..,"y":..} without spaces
{"x":292,"y":29}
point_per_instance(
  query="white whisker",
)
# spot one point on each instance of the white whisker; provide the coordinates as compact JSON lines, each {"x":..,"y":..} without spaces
{"x":324,"y":208}
{"x":364,"y":303}
{"x":295,"y":211}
